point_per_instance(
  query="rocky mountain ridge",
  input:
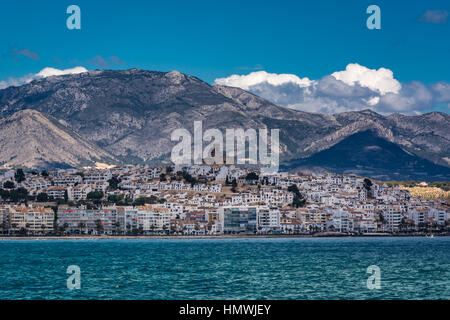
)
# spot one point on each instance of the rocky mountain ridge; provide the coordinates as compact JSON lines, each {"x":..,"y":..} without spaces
{"x":131,"y":114}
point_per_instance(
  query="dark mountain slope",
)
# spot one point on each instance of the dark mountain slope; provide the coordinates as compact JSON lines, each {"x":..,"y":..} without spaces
{"x":366,"y":154}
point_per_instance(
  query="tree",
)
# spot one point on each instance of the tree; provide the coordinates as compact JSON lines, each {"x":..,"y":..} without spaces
{"x":55,"y":217}
{"x":234,"y":185}
{"x":99,"y":226}
{"x":382,"y":220}
{"x":172,"y":229}
{"x":367,"y":184}
{"x":81,"y":226}
{"x":299,"y":200}
{"x":9,"y":185}
{"x":113,"y":183}
{"x":65,"y":226}
{"x":19,"y":176}
{"x":162,"y":177}
{"x":188,"y":178}
{"x":4,"y":227}
{"x":139,"y":201}
{"x":5,"y":194}
{"x":252,"y":176}
{"x":23,"y":231}
{"x":42,"y":197}
{"x":293,"y":188}
{"x":115,"y":198}
{"x":95,"y":195}
{"x":117,"y":227}
{"x":147,"y":200}
{"x":19,"y":194}
{"x":44,"y":173}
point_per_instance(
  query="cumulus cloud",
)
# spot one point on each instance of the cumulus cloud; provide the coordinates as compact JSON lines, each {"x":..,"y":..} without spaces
{"x":435,"y":16}
{"x":442,"y":89}
{"x":246,"y":81}
{"x":44,"y":73}
{"x":355,"y":88}
{"x":414,"y":98}
{"x":381,"y":80}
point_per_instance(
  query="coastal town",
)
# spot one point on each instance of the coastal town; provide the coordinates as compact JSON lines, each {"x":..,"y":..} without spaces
{"x":208,"y":200}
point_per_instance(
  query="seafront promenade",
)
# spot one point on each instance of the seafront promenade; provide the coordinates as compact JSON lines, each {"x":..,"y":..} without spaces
{"x":211,"y":237}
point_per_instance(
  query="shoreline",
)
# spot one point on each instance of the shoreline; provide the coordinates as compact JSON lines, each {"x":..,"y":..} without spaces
{"x":162,"y":237}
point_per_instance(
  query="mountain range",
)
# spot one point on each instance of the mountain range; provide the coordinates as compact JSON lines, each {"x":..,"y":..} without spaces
{"x":128,"y":116}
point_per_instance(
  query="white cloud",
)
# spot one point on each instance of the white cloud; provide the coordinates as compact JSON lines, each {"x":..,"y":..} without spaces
{"x":381,"y":80}
{"x":443,"y":91}
{"x":373,"y":101}
{"x":355,"y":88}
{"x":16,"y":81}
{"x":246,"y":81}
{"x":48,"y":72}
{"x":44,"y":73}
{"x":414,"y":98}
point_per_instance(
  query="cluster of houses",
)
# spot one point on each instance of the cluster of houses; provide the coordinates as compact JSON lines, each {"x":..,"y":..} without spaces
{"x":212,"y":200}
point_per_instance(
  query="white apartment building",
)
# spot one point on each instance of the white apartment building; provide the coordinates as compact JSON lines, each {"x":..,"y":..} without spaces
{"x":393,"y":216}
{"x":268,"y":219}
{"x":36,"y":220}
{"x":67,"y":180}
{"x":153,"y":219}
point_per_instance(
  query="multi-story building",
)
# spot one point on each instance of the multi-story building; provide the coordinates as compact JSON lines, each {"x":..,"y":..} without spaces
{"x":97,"y":175}
{"x":83,"y":221}
{"x":393,"y":216}
{"x":67,"y":180}
{"x":35,"y":220}
{"x":268,"y":219}
{"x":340,"y":222}
{"x":4,"y":221}
{"x":152,"y":218}
{"x":79,"y":192}
{"x":57,"y":192}
{"x":240,"y":219}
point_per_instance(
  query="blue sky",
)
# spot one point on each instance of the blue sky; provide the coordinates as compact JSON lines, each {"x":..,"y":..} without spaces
{"x":212,"y":39}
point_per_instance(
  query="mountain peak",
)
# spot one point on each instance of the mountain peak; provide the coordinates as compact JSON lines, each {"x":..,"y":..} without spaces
{"x":175,"y":76}
{"x":34,"y":140}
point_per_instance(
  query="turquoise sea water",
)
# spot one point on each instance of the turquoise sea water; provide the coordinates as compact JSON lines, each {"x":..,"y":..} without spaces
{"x":294,"y":268}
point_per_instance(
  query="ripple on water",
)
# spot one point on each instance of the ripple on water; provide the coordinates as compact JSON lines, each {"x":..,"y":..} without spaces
{"x":294,"y":268}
